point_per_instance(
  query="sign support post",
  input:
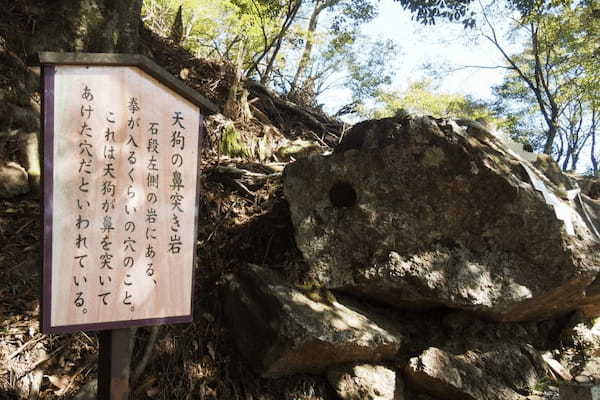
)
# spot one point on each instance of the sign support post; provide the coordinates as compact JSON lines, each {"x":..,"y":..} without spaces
{"x":114,"y":364}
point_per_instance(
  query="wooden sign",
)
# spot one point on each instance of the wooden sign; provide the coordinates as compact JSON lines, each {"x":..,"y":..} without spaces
{"x":121,"y":148}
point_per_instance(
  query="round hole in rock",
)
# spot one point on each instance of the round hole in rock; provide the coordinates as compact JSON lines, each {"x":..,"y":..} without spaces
{"x":342,"y":194}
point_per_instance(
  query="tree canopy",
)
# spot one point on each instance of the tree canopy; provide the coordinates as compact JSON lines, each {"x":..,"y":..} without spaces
{"x":421,"y":97}
{"x":305,"y":49}
{"x":551,"y":90}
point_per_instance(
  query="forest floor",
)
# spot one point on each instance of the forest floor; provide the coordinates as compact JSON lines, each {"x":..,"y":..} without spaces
{"x":241,"y":220}
{"x":189,"y":361}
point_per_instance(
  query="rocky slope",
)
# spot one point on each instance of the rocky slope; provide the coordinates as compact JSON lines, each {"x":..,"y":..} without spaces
{"x":420,"y":260}
{"x":441,"y":260}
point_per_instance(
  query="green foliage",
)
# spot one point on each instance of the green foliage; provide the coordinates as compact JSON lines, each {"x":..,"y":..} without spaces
{"x":369,"y":70}
{"x":430,"y":11}
{"x":521,"y":115}
{"x":347,"y":14}
{"x":215,"y":28}
{"x":203,"y":22}
{"x":554,"y":82}
{"x":542,"y":385}
{"x":219,"y":28}
{"x":421,"y":98}
{"x":328,"y":54}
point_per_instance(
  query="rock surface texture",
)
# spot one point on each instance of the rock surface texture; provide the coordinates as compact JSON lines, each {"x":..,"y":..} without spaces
{"x":579,"y":391}
{"x":283,"y":330}
{"x":590,"y":186}
{"x":13,"y":180}
{"x":469,"y":376}
{"x":421,"y":213}
{"x":583,"y":337}
{"x":366,"y":382}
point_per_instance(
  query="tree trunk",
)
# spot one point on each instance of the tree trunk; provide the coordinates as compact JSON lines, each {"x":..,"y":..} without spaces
{"x":593,"y":149}
{"x":305,"y":58}
{"x":267,"y":73}
{"x":574,"y":160}
{"x":275,"y":43}
{"x":65,"y":25}
{"x":289,"y":19}
{"x":60,"y":25}
{"x":97,"y":26}
{"x":233,"y":106}
{"x":565,"y":163}
{"x":552,"y":130}
{"x":561,"y":148}
{"x":177,"y":28}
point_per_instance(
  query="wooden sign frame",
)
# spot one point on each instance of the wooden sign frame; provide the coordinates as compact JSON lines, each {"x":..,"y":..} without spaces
{"x":49,"y":62}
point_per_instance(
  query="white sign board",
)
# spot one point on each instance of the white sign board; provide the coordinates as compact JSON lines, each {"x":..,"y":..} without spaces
{"x":120,"y":199}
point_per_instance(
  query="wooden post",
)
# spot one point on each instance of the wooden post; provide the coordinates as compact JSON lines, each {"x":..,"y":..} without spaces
{"x":114,"y":364}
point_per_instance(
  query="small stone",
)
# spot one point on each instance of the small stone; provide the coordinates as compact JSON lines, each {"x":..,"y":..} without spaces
{"x":297,"y":149}
{"x":30,"y":159}
{"x":583,"y":379}
{"x":365,"y":382}
{"x":184,"y":73}
{"x":13,"y":180}
{"x":557,"y":367}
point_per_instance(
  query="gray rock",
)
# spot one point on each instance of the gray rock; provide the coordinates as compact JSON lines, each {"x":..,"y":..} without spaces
{"x":583,"y":379}
{"x":283,"y":330}
{"x":29,"y":155}
{"x":297,"y":149}
{"x":556,"y":367}
{"x":579,"y":391}
{"x":450,"y":377}
{"x":366,"y":382}
{"x":13,"y":180}
{"x":582,"y":335}
{"x":590,"y":185}
{"x":417,"y":213}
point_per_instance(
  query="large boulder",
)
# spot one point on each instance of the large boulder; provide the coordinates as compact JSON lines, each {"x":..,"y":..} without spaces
{"x":283,"y":330}
{"x":417,"y":212}
{"x":491,"y":375}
